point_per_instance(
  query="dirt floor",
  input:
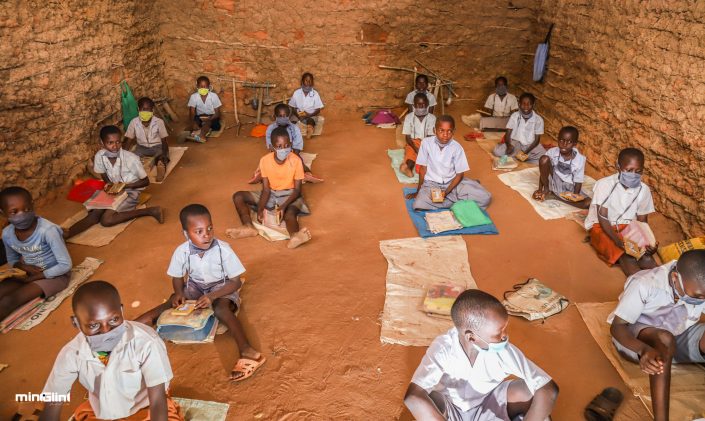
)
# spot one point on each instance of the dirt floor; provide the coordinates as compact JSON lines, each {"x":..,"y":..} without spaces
{"x":315,"y":311}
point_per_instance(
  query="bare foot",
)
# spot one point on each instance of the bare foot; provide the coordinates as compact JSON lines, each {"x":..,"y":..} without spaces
{"x":310,"y":178}
{"x":301,"y":237}
{"x":241,"y":232}
{"x":161,"y":171}
{"x":158,"y":214}
{"x":406,"y":170}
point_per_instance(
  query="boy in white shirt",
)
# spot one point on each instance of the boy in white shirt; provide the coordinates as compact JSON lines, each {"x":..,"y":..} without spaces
{"x":442,"y":165}
{"x":150,"y":133}
{"x":204,"y":110}
{"x":136,"y":381}
{"x":116,"y":165}
{"x":207,"y":270}
{"x":562,"y":170}
{"x":417,"y":125}
{"x":657,"y":322}
{"x":524,"y":130}
{"x":501,"y":103}
{"x":421,"y":84}
{"x":617,"y":200}
{"x":306,"y":104}
{"x":464,"y":374}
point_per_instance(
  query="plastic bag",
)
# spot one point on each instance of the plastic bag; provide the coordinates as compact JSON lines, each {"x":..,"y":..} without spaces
{"x":129,"y":104}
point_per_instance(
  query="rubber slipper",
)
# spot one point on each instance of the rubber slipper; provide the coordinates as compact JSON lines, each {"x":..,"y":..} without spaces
{"x":604,"y":406}
{"x":247,"y":367}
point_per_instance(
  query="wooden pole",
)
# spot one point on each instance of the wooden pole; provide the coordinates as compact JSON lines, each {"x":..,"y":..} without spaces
{"x":259,"y":105}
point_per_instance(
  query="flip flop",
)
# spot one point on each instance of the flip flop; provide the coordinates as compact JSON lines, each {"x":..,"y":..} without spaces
{"x":604,"y":406}
{"x":247,"y":367}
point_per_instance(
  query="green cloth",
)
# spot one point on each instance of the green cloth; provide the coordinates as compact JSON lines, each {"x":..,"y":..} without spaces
{"x":129,"y":104}
{"x":469,"y":214}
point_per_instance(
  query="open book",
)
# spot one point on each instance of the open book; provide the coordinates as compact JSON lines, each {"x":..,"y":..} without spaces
{"x":103,"y":200}
{"x":637,"y":236}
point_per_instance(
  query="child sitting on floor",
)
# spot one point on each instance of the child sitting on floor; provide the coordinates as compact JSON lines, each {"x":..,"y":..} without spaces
{"x":123,"y":365}
{"x":442,"y":165}
{"x":208,"y":270}
{"x":204,"y":110}
{"x":150,"y":133}
{"x":307,"y":104}
{"x":117,"y":165}
{"x":417,"y":125}
{"x":618,"y":199}
{"x":657,"y":322}
{"x":562,"y":170}
{"x":34,"y":245}
{"x":421,"y":83}
{"x":524,"y":130}
{"x":464,"y":374}
{"x":501,"y":103}
{"x":282,"y":177}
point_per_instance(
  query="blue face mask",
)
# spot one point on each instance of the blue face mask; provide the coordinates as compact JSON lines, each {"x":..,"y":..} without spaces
{"x":282,"y":153}
{"x":630,"y":180}
{"x":685,"y":297}
{"x":22,"y":221}
{"x":492,"y":346}
{"x":111,"y":154}
{"x":306,"y":89}
{"x":282,"y":121}
{"x":106,"y":342}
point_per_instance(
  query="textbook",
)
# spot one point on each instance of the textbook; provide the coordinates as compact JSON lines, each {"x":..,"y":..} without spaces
{"x":637,"y":236}
{"x":103,"y":200}
{"x":440,"y":298}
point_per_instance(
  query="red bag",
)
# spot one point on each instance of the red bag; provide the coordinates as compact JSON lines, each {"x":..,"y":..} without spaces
{"x":84,"y":190}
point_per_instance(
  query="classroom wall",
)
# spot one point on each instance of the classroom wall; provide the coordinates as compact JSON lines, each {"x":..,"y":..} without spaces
{"x":631,"y":73}
{"x":61,"y":63}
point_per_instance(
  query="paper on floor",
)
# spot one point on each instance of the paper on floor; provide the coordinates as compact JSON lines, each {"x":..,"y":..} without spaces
{"x":397,"y":157}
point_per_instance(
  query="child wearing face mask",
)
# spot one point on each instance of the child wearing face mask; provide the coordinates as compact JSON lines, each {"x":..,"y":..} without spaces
{"x":421,"y":84}
{"x":122,"y":364}
{"x":657,"y":322}
{"x":618,"y":199}
{"x":524,"y":130}
{"x":207,"y":270}
{"x":204,"y":110}
{"x":282,"y":177}
{"x":501,"y":103}
{"x":417,"y":125}
{"x":465,"y":372}
{"x":150,"y":133}
{"x":306,"y":104}
{"x":34,"y":245}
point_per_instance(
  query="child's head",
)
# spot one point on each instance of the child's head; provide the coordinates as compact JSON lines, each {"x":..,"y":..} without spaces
{"x":421,"y":82}
{"x":501,"y":85}
{"x":17,"y":206}
{"x":197,"y":225}
{"x":420,"y":104}
{"x":481,"y":320}
{"x":281,"y":114}
{"x":526,"y":103}
{"x":203,"y":84}
{"x":445,"y":127}
{"x":111,"y":137}
{"x":630,"y":164}
{"x":567,"y":139}
{"x":97,"y":308}
{"x":281,"y":142}
{"x":688,"y":278}
{"x":146,"y":108}
{"x":307,"y":82}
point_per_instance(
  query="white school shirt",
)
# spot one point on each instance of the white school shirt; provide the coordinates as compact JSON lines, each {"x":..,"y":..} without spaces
{"x":622,"y":201}
{"x":525,"y":131}
{"x":648,"y":299}
{"x":127,"y":168}
{"x":208,"y":270}
{"x":442,"y":165}
{"x":502,"y":107}
{"x":150,"y":137}
{"x":119,"y":389}
{"x":577,"y":165}
{"x":419,"y":129}
{"x":431,"y":98}
{"x":208,"y":107}
{"x":446,"y":369}
{"x":309,"y":102}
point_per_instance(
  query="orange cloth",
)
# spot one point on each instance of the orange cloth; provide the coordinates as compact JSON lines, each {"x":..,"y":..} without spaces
{"x":259,"y":130}
{"x":281,"y":176}
{"x":84,"y":412}
{"x":409,"y":153}
{"x":606,"y":249}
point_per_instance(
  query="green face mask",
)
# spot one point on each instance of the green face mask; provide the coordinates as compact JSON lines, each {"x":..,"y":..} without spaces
{"x":203,"y":91}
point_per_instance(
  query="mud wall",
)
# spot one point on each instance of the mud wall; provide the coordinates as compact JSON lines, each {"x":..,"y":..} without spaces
{"x":630,"y":73}
{"x":61,"y":65}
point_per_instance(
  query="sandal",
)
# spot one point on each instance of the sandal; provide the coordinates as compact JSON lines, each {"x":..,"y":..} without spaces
{"x":603,"y":406}
{"x":247,"y":367}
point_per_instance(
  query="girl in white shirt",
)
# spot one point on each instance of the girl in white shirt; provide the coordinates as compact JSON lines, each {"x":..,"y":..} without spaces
{"x":307,"y":104}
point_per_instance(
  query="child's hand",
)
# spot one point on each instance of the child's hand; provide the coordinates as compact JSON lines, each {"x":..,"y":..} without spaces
{"x":651,"y":362}
{"x":260,"y":215}
{"x":203,"y":302}
{"x":30,"y":269}
{"x":650,"y":250}
{"x":178,"y":300}
{"x":539,"y":195}
{"x":510,"y":149}
{"x":107,"y":186}
{"x":411,"y":195}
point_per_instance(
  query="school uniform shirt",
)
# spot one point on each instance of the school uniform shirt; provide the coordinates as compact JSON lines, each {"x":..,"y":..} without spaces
{"x":208,"y":107}
{"x":502,"y":107}
{"x":217,"y":263}
{"x":442,"y":165}
{"x":127,"y":167}
{"x":45,"y":248}
{"x":525,"y":131}
{"x":648,"y":299}
{"x":619,"y":200}
{"x":431,"y":98}
{"x":446,"y":369}
{"x":576,"y":174}
{"x":150,"y":136}
{"x":417,"y":128}
{"x":309,"y":102}
{"x":297,"y":140}
{"x":118,"y":389}
{"x":281,"y":176}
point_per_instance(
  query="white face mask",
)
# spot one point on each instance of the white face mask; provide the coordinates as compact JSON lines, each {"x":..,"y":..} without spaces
{"x":420,"y":112}
{"x":106,"y":342}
